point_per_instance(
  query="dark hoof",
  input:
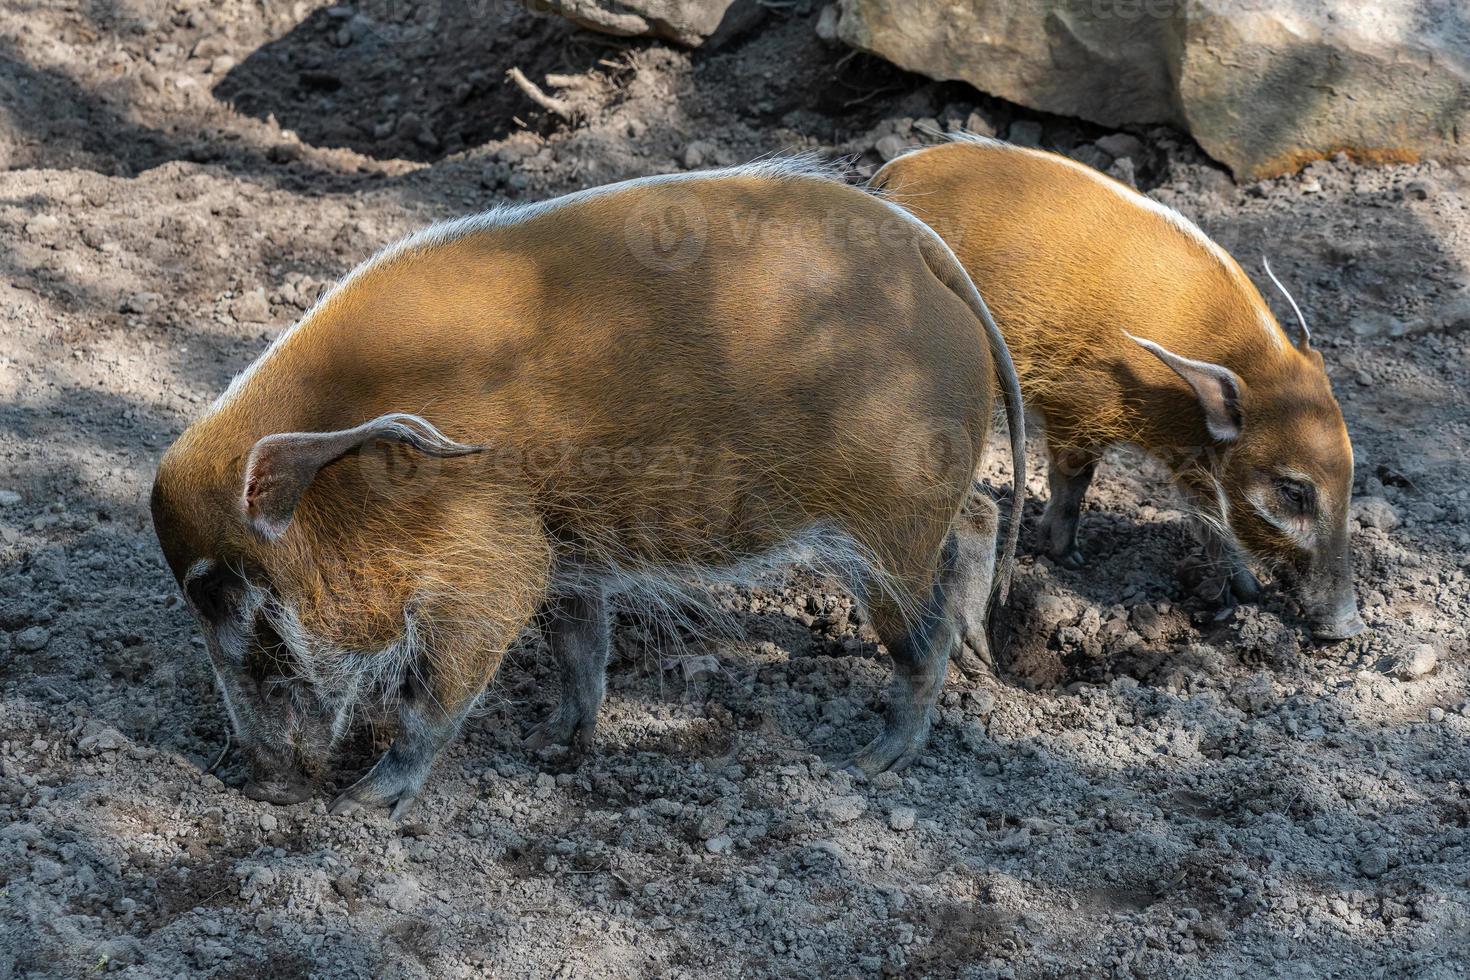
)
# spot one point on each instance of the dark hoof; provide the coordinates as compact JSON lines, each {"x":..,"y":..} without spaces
{"x":355,"y":799}
{"x":1245,"y":586}
{"x":971,"y":661}
{"x":1337,"y":632}
{"x":387,"y":784}
{"x":281,"y":793}
{"x":886,"y":753}
{"x":563,"y":728}
{"x":1073,"y":559}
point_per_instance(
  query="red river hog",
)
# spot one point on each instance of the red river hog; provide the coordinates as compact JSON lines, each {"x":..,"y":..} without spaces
{"x":527,"y":414}
{"x":1129,"y":325}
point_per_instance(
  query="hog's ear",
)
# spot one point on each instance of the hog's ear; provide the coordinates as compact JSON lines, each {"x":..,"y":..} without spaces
{"x":282,"y":466}
{"x":1217,"y":388}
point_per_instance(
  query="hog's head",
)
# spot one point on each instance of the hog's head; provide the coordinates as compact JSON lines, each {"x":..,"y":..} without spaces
{"x":220,"y":522}
{"x":1281,"y":470}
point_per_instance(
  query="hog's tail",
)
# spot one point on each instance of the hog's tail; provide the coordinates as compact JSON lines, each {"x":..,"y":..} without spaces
{"x":947,"y":268}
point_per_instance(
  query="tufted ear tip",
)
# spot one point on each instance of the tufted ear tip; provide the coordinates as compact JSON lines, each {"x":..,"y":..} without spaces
{"x":1304,"y":335}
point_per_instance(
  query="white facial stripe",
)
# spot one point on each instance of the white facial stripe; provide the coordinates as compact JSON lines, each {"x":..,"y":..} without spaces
{"x":1300,"y":537}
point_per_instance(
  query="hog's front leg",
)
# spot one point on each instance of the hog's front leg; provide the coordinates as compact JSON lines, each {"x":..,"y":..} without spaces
{"x":1068,"y":475}
{"x":1240,"y":583}
{"x":398,"y":777}
{"x":436,"y":695}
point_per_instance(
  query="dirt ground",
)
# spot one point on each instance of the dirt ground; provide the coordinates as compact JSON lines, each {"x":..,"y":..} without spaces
{"x":1141,"y":792}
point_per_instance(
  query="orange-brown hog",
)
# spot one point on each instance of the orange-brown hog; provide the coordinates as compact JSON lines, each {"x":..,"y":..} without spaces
{"x":541,"y":408}
{"x":1128,"y":324}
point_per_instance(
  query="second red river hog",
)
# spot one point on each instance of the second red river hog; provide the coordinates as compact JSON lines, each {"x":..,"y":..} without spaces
{"x":532,"y":413}
{"x":1129,"y":325}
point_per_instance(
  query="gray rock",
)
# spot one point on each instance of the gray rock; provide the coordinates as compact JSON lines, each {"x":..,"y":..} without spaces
{"x":698,"y":153}
{"x":1054,"y":611}
{"x":42,"y":226}
{"x":32,"y":639}
{"x":720,"y":844}
{"x":251,"y":306}
{"x":692,"y":23}
{"x":402,"y":892}
{"x":1373,"y":862}
{"x":978,"y":125}
{"x":891,"y":146}
{"x":1089,"y":154}
{"x":1231,"y":72}
{"x":827,"y":23}
{"x":44,"y":870}
{"x":1121,"y":145}
{"x":844,"y":809}
{"x":1375,"y":323}
{"x":666,"y":808}
{"x":97,"y":738}
{"x":1252,"y":695}
{"x":1416,"y":662}
{"x":120,"y":951}
{"x":1375,"y":512}
{"x":1124,"y":171}
{"x":142,"y":303}
{"x":901,"y":818}
{"x":9,"y":498}
{"x":1419,"y":190}
{"x":1024,"y":132}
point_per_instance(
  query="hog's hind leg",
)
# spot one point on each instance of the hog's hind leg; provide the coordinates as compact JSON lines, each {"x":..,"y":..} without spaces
{"x":971,"y":582}
{"x":919,"y":644}
{"x":579,"y":634}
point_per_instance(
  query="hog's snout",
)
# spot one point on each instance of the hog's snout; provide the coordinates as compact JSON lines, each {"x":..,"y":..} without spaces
{"x":1331,"y":608}
{"x":1325,"y":591}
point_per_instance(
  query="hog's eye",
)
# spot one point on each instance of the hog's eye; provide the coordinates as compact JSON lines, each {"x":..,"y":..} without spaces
{"x":1296,"y":496}
{"x":210,"y":592}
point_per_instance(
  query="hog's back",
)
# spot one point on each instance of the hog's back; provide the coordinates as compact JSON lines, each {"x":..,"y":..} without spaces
{"x":783,"y":355}
{"x":1068,"y":259}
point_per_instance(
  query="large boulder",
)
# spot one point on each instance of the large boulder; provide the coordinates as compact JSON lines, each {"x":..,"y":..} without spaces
{"x":688,"y":22}
{"x":1264,"y":85}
